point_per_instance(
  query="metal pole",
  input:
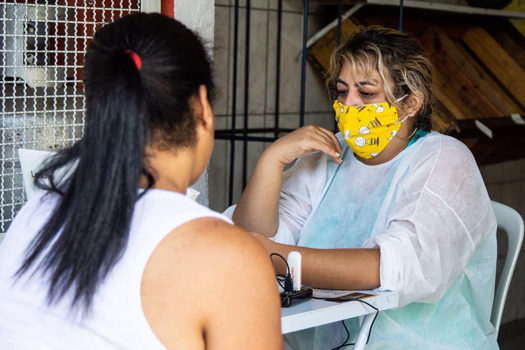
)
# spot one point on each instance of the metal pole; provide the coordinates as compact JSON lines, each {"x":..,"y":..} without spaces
{"x":339,"y":20}
{"x":319,"y":34}
{"x":400,"y":15}
{"x":248,"y":138}
{"x":339,"y":25}
{"x":278,"y":68}
{"x":246,"y":94}
{"x":303,"y":63}
{"x":234,"y":99}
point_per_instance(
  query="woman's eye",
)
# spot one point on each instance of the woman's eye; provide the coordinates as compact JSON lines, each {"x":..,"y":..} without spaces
{"x":341,"y":92}
{"x":367,"y":94}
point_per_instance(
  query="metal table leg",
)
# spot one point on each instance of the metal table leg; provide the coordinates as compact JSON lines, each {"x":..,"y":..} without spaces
{"x":362,"y":337}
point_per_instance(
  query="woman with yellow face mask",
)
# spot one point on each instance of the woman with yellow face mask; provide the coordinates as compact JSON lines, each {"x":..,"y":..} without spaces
{"x":385,"y":203}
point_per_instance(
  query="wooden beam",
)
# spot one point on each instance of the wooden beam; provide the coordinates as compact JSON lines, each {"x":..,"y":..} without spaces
{"x":464,"y":82}
{"x":435,"y":6}
{"x":510,"y":39}
{"x":453,"y":106}
{"x":489,"y":86}
{"x":446,"y":116}
{"x":506,"y":144}
{"x":498,"y":61}
{"x":501,"y":126}
{"x":439,"y":122}
{"x":323,"y":48}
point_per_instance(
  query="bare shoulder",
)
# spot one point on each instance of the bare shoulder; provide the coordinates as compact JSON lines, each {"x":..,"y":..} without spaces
{"x":215,"y":240}
{"x":210,"y":238}
{"x":212,"y":275}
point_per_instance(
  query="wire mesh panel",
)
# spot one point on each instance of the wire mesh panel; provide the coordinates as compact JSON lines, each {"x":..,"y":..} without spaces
{"x":42,"y":44}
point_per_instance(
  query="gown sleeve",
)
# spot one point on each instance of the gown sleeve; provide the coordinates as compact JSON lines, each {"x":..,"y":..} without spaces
{"x":441,"y":214}
{"x":301,"y":190}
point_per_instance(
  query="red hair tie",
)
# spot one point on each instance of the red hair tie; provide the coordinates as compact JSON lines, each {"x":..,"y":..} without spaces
{"x":136,"y":58}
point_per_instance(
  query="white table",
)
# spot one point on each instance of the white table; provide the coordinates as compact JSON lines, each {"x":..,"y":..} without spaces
{"x":309,"y":313}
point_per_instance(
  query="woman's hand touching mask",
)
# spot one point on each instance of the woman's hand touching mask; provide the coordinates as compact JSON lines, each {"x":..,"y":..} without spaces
{"x":304,"y":140}
{"x":262,"y":193}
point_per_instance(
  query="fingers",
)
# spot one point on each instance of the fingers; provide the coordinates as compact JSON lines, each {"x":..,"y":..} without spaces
{"x":333,"y":138}
{"x":326,"y":142}
{"x":336,"y":145}
{"x":301,"y":141}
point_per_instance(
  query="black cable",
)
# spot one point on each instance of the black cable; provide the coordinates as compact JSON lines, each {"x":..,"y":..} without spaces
{"x":344,"y":325}
{"x":375,"y":316}
{"x":282,"y":257}
{"x":281,"y":281}
{"x":285,"y":300}
{"x":347,"y":337}
{"x":288,"y":283}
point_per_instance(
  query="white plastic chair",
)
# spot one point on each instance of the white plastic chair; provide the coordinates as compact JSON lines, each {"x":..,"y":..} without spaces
{"x":511,"y":222}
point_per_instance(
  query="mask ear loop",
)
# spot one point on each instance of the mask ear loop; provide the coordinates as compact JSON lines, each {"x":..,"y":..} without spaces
{"x":402,"y":98}
{"x":402,"y":121}
{"x":409,"y":137}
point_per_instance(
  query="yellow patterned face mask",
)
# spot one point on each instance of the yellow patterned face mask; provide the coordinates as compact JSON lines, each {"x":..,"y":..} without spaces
{"x":367,"y":129}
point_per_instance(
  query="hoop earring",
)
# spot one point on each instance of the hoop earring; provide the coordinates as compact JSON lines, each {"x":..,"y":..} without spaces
{"x":407,"y":138}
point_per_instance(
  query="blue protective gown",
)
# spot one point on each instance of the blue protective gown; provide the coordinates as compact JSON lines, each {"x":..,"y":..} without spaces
{"x":428,"y":212}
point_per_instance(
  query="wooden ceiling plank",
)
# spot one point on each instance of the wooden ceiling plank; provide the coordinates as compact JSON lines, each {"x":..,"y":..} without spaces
{"x":439,"y":122}
{"x":452,"y":106}
{"x":323,"y":48}
{"x":498,"y":61}
{"x":510,"y":39}
{"x":483,"y":84}
{"x":490,"y":87}
{"x":468,"y":86}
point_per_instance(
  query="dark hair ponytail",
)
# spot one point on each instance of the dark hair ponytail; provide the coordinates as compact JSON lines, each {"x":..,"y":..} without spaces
{"x":127,"y":108}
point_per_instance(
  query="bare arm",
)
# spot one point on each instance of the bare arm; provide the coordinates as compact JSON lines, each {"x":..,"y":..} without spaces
{"x":258,"y":207}
{"x":210,"y":285}
{"x":331,"y":268}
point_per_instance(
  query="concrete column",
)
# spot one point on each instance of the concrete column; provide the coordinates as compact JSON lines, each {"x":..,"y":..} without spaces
{"x":199,"y":16}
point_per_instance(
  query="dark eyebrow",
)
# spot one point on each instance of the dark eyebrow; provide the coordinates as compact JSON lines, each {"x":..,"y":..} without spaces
{"x":339,"y":81}
{"x":366,"y":82}
{"x":359,"y":84}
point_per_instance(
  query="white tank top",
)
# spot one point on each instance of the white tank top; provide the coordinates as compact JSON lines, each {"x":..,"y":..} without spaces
{"x":117,"y":320}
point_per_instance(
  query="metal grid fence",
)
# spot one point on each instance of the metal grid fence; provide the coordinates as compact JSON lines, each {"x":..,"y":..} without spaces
{"x":42,"y":43}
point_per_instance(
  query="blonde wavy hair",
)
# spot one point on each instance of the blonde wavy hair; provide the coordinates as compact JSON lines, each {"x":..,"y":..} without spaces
{"x":398,"y":58}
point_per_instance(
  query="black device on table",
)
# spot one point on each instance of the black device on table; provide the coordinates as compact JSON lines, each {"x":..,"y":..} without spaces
{"x":288,"y":296}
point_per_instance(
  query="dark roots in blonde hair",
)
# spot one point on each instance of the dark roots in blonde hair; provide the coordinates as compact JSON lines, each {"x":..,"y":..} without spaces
{"x":398,"y":58}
